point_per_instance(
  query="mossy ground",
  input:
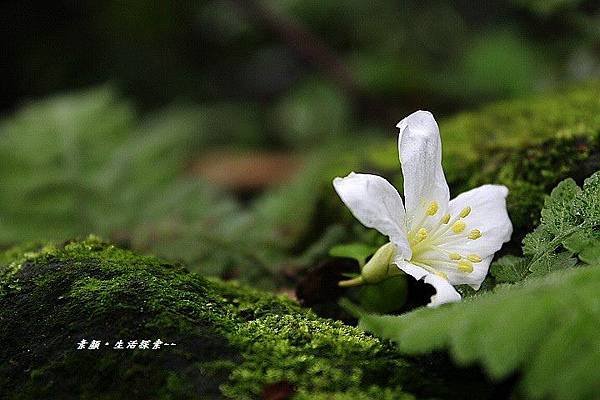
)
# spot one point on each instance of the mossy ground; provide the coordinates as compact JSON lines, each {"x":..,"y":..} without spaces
{"x":231,"y":341}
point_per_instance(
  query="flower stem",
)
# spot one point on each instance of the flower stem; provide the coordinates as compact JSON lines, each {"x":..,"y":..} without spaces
{"x":352,"y":282}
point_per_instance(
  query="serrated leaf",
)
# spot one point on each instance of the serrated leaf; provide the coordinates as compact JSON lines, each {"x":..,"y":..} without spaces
{"x":552,"y":262}
{"x":587,"y":205}
{"x":85,"y":162}
{"x":570,"y":220}
{"x":537,"y":241}
{"x":586,"y":244}
{"x":556,"y":214}
{"x":579,"y":241}
{"x":544,"y":329}
{"x":510,"y":269}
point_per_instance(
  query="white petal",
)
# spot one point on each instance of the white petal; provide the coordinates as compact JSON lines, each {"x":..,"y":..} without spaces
{"x":420,"y":149}
{"x":376,"y":204}
{"x":479,"y":273}
{"x":445,"y":292}
{"x":488,"y":215}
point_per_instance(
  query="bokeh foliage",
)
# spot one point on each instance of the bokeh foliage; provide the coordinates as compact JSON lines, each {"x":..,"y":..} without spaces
{"x":87,"y":162}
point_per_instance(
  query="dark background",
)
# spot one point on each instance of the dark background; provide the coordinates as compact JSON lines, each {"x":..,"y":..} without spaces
{"x":380,"y":59}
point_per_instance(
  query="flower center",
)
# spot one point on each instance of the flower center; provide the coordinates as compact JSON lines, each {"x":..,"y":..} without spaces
{"x":433,"y":238}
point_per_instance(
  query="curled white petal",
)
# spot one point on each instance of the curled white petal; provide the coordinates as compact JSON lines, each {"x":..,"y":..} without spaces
{"x":445,"y":292}
{"x":420,"y":150}
{"x":376,"y":204}
{"x":411,"y":269}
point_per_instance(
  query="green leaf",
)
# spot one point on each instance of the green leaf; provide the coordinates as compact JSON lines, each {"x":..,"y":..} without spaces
{"x":556,"y":215}
{"x":579,"y":241}
{"x":568,"y":228}
{"x":357,"y":251}
{"x":86,"y":162}
{"x":557,"y":218}
{"x":545,"y":330}
{"x":510,"y":269}
{"x":587,"y":205}
{"x":591,"y":254}
{"x":552,"y":262}
{"x":537,"y":241}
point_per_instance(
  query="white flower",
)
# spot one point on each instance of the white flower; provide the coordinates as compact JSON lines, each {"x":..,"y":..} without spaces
{"x":444,"y":242}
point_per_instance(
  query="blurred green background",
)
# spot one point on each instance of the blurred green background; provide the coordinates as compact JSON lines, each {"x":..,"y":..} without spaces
{"x":205,"y":130}
{"x":289,"y":58}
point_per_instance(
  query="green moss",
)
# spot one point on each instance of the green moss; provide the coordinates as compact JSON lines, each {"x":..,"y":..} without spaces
{"x":58,"y":296}
{"x":231,"y":341}
{"x":533,"y":171}
{"x":470,"y":137}
{"x":301,"y":351}
{"x":529,"y":145}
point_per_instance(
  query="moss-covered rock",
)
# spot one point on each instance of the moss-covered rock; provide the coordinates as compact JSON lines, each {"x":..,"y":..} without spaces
{"x":513,"y":124}
{"x":529,"y":145}
{"x":531,"y":172}
{"x":230,"y":341}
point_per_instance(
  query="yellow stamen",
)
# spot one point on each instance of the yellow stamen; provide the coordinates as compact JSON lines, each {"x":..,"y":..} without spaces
{"x":433,"y":208}
{"x":465,"y":266}
{"x":465,"y":211}
{"x":474,"y":258}
{"x":441,"y":274}
{"x":445,"y":219}
{"x":454,"y":256}
{"x":474,"y":234}
{"x":458,"y":227}
{"x":422,"y":234}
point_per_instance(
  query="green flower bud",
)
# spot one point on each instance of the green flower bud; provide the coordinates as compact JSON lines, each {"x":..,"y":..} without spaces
{"x":377,"y":269}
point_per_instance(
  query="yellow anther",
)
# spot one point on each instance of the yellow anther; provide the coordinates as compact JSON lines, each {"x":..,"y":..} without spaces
{"x":445,"y":219}
{"x":465,"y":211}
{"x":458,"y":227}
{"x":433,"y":208}
{"x":441,"y":274}
{"x":454,"y":256}
{"x":465,"y":266}
{"x":474,"y":258}
{"x":475,"y":234}
{"x":422,"y":234}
